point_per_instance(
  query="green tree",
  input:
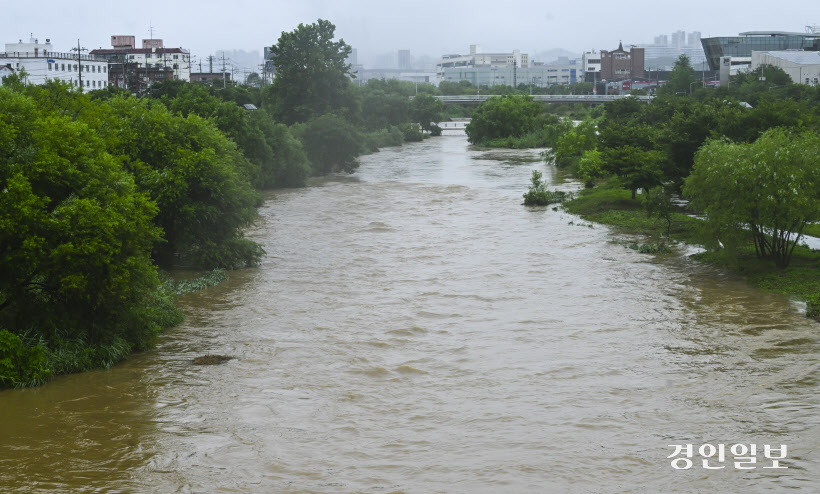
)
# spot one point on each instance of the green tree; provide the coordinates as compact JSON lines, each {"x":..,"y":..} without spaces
{"x":506,"y":116}
{"x":766,"y":191}
{"x":311,"y":73}
{"x":573,"y":144}
{"x":197,"y":177}
{"x":657,"y":202}
{"x":635,"y":168}
{"x":253,"y":79}
{"x":591,"y":167}
{"x":332,"y":144}
{"x":681,"y":79}
{"x":426,"y":110}
{"x":75,"y":234}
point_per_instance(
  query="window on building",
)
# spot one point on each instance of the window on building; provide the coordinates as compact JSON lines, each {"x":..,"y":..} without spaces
{"x":176,"y":66}
{"x":49,"y":66}
{"x":176,"y":57}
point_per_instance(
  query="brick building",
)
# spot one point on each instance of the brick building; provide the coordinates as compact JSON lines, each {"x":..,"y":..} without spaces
{"x":621,"y":64}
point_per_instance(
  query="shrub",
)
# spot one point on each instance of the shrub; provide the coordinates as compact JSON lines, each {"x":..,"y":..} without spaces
{"x":538,"y":195}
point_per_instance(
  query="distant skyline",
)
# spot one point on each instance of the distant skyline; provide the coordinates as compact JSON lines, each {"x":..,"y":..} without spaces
{"x":378,"y":27}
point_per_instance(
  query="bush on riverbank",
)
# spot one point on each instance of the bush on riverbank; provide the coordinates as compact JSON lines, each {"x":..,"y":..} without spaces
{"x":539,"y":195}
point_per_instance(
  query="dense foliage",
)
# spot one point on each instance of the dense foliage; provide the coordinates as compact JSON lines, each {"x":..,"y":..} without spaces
{"x":503,"y":117}
{"x":76,"y":234}
{"x":768,"y":190}
{"x":311,"y":73}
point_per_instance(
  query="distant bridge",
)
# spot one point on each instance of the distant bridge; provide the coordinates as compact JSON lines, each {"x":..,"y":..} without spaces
{"x":474,"y":99}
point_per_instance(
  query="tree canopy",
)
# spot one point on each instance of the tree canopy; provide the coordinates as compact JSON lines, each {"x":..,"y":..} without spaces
{"x":311,"y":73}
{"x":767,"y":190}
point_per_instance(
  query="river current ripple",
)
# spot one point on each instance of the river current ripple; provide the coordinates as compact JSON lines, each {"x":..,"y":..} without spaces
{"x":414,"y":328}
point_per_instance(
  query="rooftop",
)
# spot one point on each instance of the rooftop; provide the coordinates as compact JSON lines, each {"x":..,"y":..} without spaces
{"x":799,"y":57}
{"x":774,"y":33}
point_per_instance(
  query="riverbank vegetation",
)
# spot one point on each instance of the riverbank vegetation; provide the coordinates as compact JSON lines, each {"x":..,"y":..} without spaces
{"x":749,"y":172}
{"x":100,"y":191}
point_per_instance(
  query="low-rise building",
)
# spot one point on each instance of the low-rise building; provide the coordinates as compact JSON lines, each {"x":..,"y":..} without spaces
{"x":210,"y":76}
{"x":476,"y":59}
{"x":5,"y":71}
{"x":39,"y":64}
{"x":802,"y":66}
{"x":620,"y":64}
{"x":150,"y":63}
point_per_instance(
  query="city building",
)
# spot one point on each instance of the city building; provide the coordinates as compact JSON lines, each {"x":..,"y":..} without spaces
{"x":661,"y":55}
{"x":476,"y":60}
{"x":210,"y":77}
{"x":802,"y":66}
{"x":678,"y":39}
{"x":591,"y":61}
{"x":5,"y":71}
{"x":620,"y":64}
{"x":404,"y":59}
{"x":39,"y":63}
{"x":738,"y":49}
{"x":361,"y":75}
{"x":562,"y":71}
{"x":145,"y":65}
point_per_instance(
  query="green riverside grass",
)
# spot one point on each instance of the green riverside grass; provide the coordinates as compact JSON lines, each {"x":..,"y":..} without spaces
{"x":609,"y":205}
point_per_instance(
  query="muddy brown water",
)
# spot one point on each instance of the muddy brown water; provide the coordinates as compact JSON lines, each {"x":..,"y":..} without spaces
{"x":413,"y":328}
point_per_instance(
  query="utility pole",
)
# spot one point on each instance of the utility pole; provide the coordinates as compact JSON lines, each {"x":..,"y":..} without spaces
{"x":210,"y":64}
{"x":515,"y":74}
{"x":79,"y":51}
{"x":224,"y":78}
{"x":264,"y":74}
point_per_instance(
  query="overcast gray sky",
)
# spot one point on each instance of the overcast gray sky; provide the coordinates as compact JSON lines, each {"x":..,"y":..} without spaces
{"x":381,"y":26}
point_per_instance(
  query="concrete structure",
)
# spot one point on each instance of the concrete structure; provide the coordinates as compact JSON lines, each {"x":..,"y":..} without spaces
{"x":739,"y":48}
{"x":678,"y":39}
{"x":404,"y":59}
{"x":153,"y":57}
{"x":475,"y":99}
{"x":476,"y":59}
{"x":362,"y":75}
{"x":591,"y":61}
{"x":42,"y":64}
{"x":540,"y":75}
{"x":5,"y":71}
{"x":802,"y":66}
{"x":210,"y":77}
{"x":620,"y":64}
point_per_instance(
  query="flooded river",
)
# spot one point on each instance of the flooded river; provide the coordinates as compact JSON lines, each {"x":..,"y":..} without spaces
{"x":415,"y":329}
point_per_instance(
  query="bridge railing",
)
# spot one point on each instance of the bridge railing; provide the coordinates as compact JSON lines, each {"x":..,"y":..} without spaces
{"x":577,"y":98}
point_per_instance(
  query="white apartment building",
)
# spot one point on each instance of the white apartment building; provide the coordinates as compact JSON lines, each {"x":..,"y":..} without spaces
{"x":40,"y":64}
{"x":592,"y":61}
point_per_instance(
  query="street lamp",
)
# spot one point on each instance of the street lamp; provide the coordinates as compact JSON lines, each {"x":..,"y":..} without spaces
{"x":690,"y":87}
